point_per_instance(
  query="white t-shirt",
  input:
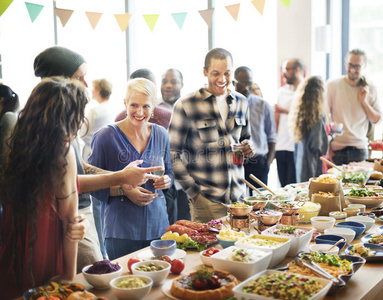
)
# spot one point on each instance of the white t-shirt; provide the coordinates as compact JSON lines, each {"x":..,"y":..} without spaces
{"x":222,"y":106}
{"x":345,"y":107}
{"x":284,"y":141}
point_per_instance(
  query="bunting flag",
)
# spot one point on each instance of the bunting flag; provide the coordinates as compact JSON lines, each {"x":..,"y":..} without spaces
{"x":207,"y":15}
{"x":286,"y":3}
{"x":233,"y":10}
{"x":4,"y":5}
{"x":151,"y":20}
{"x":180,"y":19}
{"x":64,"y":15}
{"x":93,"y":18}
{"x":123,"y":20}
{"x":34,"y":10}
{"x":259,"y":5}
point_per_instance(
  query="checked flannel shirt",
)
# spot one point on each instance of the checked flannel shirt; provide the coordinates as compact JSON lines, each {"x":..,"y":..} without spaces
{"x":200,"y":145}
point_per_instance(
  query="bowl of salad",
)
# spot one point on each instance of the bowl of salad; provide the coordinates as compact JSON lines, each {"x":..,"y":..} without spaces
{"x":366,"y":196}
{"x":355,"y":175}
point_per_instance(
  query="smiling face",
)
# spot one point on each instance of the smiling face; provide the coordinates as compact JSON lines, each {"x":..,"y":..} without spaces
{"x":171,"y":86}
{"x":139,"y":108}
{"x":355,"y":65}
{"x":218,"y":76}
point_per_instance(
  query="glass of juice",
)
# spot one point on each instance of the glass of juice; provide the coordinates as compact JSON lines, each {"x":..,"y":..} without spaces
{"x":238,"y":157}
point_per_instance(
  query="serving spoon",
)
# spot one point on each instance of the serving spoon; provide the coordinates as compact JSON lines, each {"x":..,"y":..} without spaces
{"x":336,"y":244}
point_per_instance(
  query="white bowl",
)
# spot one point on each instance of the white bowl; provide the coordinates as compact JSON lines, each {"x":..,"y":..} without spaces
{"x":156,"y":276}
{"x":133,"y":293}
{"x":338,"y":215}
{"x":346,"y":233}
{"x":100,"y":281}
{"x":362,"y":207}
{"x":239,"y":294}
{"x":279,"y":251}
{"x":322,"y":223}
{"x":241,"y":270}
{"x":298,"y":244}
{"x":205,"y":259}
{"x":324,"y":248}
{"x":369,"y":222}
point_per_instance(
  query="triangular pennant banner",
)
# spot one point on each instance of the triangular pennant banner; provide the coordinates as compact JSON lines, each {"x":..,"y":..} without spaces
{"x":93,"y":18}
{"x":64,"y":15}
{"x":233,"y":10}
{"x":34,"y":10}
{"x":259,"y":5}
{"x":151,"y":20}
{"x":180,"y":19}
{"x":286,"y":3}
{"x":123,"y":20}
{"x":207,"y":15}
{"x":4,"y":5}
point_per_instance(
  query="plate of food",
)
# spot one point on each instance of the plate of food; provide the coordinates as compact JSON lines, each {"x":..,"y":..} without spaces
{"x":368,"y":197}
{"x":342,"y":267}
{"x":373,"y":238}
{"x":370,"y":252}
{"x":54,"y":289}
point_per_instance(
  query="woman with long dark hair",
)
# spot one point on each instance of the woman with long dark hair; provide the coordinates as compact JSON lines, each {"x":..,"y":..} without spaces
{"x":39,"y":194}
{"x":307,"y":124}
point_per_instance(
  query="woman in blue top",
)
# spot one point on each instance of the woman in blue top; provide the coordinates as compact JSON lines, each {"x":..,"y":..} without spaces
{"x":133,"y":217}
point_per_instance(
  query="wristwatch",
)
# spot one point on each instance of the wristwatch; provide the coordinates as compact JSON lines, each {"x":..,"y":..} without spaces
{"x":121,"y":192}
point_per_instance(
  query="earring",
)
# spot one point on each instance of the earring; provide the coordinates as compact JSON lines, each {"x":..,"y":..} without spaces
{"x":152,"y":115}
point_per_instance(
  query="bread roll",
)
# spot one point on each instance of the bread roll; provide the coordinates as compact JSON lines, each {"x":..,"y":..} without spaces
{"x":376,"y":175}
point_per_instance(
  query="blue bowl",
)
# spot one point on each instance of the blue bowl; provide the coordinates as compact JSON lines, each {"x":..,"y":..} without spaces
{"x":163,"y":247}
{"x":359,"y":228}
{"x":367,"y":214}
{"x":225,"y":244}
{"x":330,"y":239}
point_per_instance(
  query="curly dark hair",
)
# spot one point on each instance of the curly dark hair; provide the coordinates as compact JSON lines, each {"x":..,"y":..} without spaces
{"x":307,"y":108}
{"x":36,"y":159}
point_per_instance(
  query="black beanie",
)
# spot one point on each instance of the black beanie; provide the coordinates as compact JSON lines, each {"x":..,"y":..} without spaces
{"x":57,"y":61}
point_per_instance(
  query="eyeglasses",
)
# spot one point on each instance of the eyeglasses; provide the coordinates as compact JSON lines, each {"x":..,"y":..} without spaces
{"x":356,"y":67}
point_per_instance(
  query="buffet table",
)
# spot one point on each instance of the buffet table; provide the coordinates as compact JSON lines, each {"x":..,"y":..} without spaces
{"x":367,"y":283}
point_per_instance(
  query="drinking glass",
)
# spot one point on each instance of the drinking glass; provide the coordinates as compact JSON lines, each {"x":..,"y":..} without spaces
{"x":158,"y":161}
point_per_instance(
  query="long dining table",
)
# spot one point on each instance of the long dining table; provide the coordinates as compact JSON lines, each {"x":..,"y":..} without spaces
{"x":366,"y":283}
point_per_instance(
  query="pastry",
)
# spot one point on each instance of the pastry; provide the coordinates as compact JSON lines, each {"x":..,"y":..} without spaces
{"x":205,"y":284}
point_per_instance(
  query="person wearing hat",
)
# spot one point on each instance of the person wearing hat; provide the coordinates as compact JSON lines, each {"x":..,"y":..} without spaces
{"x":61,"y":61}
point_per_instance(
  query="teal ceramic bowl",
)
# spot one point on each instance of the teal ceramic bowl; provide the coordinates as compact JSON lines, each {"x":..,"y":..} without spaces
{"x":225,"y":244}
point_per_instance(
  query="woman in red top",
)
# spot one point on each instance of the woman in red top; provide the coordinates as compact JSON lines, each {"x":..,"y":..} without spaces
{"x":40,"y":189}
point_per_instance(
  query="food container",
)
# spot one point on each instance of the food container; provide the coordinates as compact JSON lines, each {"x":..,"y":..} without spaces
{"x":227,"y":237}
{"x":367,"y":221}
{"x":298,"y":242}
{"x":158,"y":276}
{"x":238,"y":157}
{"x":338,"y":215}
{"x":367,"y":214}
{"x":359,"y":228}
{"x":268,"y":217}
{"x":258,"y":202}
{"x":277,"y":245}
{"x":100,"y":281}
{"x":324,"y":248}
{"x":362,"y":207}
{"x":346,"y":233}
{"x":131,"y":293}
{"x":330,"y":239}
{"x":307,"y":211}
{"x":239,"y":209}
{"x":240,"y":294}
{"x":241,"y":270}
{"x":322,"y":223}
{"x":351,"y":211}
{"x":163,"y":247}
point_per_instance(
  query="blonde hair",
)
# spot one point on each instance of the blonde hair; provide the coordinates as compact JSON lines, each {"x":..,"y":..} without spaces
{"x":307,"y":107}
{"x":143,"y":86}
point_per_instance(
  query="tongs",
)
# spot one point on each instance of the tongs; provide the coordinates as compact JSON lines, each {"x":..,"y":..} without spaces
{"x":316,"y":269}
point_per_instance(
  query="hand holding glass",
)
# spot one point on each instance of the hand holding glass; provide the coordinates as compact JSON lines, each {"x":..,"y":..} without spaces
{"x":158,"y":161}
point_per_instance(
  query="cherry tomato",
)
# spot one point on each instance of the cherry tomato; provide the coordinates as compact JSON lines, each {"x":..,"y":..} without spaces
{"x":166,"y":258}
{"x":211,"y":251}
{"x":132,"y":261}
{"x":177,"y":266}
{"x":200,"y":284}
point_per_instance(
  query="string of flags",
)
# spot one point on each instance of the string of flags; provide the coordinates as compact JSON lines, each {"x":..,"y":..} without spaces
{"x":123,"y":20}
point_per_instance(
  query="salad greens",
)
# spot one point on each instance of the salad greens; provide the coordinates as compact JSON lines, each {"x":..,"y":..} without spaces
{"x":189,"y":243}
{"x":357,"y":178}
{"x":362,"y":192}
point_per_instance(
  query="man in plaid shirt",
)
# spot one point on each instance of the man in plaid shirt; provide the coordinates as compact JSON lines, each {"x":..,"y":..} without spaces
{"x":204,"y":126}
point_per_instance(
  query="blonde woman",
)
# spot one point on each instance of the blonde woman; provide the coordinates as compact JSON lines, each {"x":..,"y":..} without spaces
{"x":307,"y":125}
{"x":133,"y":218}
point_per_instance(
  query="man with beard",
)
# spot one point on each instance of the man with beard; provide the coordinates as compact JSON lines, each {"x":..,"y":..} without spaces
{"x":171,"y":85}
{"x":353,"y":102}
{"x":204,"y":126}
{"x":293,"y":73}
